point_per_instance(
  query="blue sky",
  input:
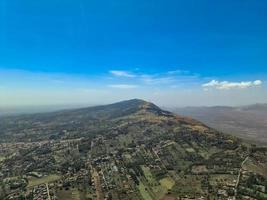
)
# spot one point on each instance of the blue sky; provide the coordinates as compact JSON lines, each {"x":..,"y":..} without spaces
{"x":104,"y":51}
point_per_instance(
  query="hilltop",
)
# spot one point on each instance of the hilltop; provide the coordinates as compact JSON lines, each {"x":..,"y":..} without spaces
{"x":89,"y":121}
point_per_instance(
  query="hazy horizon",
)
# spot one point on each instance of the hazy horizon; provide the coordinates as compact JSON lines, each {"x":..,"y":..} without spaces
{"x":28,"y":109}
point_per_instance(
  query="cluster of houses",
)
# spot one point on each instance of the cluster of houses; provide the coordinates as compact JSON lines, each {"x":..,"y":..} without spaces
{"x":41,"y":192}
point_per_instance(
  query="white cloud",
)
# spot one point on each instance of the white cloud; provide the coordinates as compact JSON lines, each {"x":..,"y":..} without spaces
{"x":257,"y":82}
{"x":169,"y":78}
{"x":174,"y":72}
{"x":123,"y":86}
{"x":226,"y":85}
{"x":157,"y":80}
{"x":122,"y":73}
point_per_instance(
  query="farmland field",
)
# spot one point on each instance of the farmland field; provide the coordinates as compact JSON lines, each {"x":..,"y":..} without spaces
{"x":143,"y":191}
{"x":46,"y":179}
{"x":167,"y":183}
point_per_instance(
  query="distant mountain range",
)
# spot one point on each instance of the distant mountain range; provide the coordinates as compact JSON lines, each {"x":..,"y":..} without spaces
{"x":248,"y":122}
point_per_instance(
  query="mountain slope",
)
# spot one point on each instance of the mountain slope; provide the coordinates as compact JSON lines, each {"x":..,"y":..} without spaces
{"x":96,"y":120}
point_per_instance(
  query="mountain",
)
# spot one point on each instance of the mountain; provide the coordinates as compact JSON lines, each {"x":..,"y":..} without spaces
{"x":248,"y":122}
{"x":130,"y":150}
{"x":88,"y":121}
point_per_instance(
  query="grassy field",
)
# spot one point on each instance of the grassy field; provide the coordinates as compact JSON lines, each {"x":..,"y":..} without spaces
{"x":190,"y":150}
{"x":46,"y":179}
{"x":187,"y":185}
{"x":148,"y":175}
{"x":2,"y":158}
{"x":167,"y":183}
{"x":72,"y":194}
{"x":157,"y":189}
{"x":143,"y":192}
